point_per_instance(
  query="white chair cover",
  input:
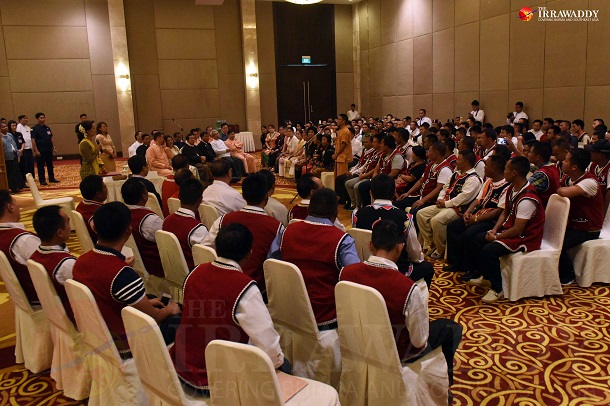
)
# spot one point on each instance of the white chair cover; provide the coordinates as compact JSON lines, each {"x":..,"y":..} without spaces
{"x":208,"y":214}
{"x":113,"y":381}
{"x":155,"y":367}
{"x":592,"y":259}
{"x":362,"y":238}
{"x":241,"y":374}
{"x":66,"y":203}
{"x":328,"y":179}
{"x":294,"y":221}
{"x":152,"y":283}
{"x":84,"y":238}
{"x":313,"y":355}
{"x":174,"y":264}
{"x":156,"y":180}
{"x":371,"y":366}
{"x":67,"y":368}
{"x":536,"y":273}
{"x":203,"y":254}
{"x":111,"y":189}
{"x":173,"y":204}
{"x":153,"y":204}
{"x":34,"y":346}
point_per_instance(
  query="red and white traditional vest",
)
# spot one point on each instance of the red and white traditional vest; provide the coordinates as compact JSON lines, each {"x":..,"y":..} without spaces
{"x":386,"y":161}
{"x":531,"y":237}
{"x":456,"y":183}
{"x":8,"y":236}
{"x":431,"y":175}
{"x":491,"y":195}
{"x":372,"y":161}
{"x":264,"y":229}
{"x":86,"y":208}
{"x":211,"y":295}
{"x":148,"y":250}
{"x":552,"y":175}
{"x":314,"y":248}
{"x":586,"y":213}
{"x":168,"y":188}
{"x":183,"y":226}
{"x":601,"y":174}
{"x":396,"y":290}
{"x":51,"y":260}
{"x":298,"y":212}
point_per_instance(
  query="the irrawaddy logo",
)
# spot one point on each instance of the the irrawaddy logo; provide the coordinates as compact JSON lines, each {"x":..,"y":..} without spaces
{"x":545,"y":14}
{"x":526,"y":13}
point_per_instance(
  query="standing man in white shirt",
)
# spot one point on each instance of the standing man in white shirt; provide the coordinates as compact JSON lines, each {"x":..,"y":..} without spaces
{"x":514,"y":117}
{"x":134,"y":147}
{"x":219,"y":194}
{"x":477,"y":114}
{"x":423,"y":119}
{"x":352,"y":113}
{"x":27,"y":159}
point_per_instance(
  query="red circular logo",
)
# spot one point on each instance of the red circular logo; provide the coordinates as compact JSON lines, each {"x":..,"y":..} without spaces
{"x":526,"y":14}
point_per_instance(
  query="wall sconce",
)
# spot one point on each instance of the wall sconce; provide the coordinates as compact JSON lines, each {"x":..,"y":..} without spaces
{"x":123,"y":81}
{"x":252,"y":76}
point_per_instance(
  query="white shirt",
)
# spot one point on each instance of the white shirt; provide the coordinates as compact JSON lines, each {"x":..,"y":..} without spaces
{"x":516,"y":117}
{"x":133,"y":148}
{"x":27,"y":136}
{"x":526,"y":208}
{"x":220,"y":148}
{"x":253,"y":317}
{"x":589,"y":186}
{"x":479,"y":168}
{"x":64,"y":271}
{"x":470,"y":190}
{"x":353,"y":115}
{"x":537,"y":134}
{"x":424,"y":119}
{"x":200,"y":233}
{"x":356,"y":148}
{"x":150,"y":225}
{"x":223,"y":197}
{"x":277,"y":210}
{"x":444,"y":175}
{"x":416,"y":310}
{"x":24,"y":246}
{"x":479,"y":115}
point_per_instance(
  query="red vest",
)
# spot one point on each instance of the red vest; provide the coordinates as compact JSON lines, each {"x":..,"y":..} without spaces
{"x":264,"y":229}
{"x":211,"y":295}
{"x":317,"y":261}
{"x":386,"y":161}
{"x":601,"y":174}
{"x":372,"y":161}
{"x":183,"y":226}
{"x":298,"y":212}
{"x":396,"y":290}
{"x":586,"y":213}
{"x":452,"y":159}
{"x":148,"y":250}
{"x":97,"y":270}
{"x":532,"y":234}
{"x":552,"y":174}
{"x":86,"y":208}
{"x":456,"y":183}
{"x":8,"y":236}
{"x":431,"y":175}
{"x":168,"y":188}
{"x":51,"y":260}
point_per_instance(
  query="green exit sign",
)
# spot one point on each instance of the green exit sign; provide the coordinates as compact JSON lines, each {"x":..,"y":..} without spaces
{"x":305,"y":59}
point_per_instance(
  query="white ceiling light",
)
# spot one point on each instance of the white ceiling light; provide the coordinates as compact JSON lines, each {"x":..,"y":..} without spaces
{"x":304,"y":2}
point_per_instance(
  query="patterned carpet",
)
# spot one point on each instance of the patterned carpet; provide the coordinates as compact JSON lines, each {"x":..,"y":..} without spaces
{"x":550,"y":351}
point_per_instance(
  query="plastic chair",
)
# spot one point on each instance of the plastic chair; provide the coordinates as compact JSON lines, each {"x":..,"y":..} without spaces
{"x":66,"y":203}
{"x":535,"y":273}
{"x":153,"y":204}
{"x":328,"y":179}
{"x":372,"y":372}
{"x":313,"y":355}
{"x":592,"y":259}
{"x":113,"y":381}
{"x":239,"y":371}
{"x":34,"y":346}
{"x":155,"y":367}
{"x":84,"y":238}
{"x":67,"y":368}
{"x":174,"y":264}
{"x":203,"y":254}
{"x":362,"y":238}
{"x":152,"y":283}
{"x":208,"y":215}
{"x":173,"y":204}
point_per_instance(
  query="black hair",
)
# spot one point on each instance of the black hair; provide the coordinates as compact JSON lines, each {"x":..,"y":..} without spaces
{"x":581,"y":158}
{"x":561,"y":143}
{"x":503,"y":151}
{"x":389,"y":141}
{"x":181,"y":175}
{"x":136,"y":164}
{"x":270,"y":178}
{"x":157,"y":134}
{"x":537,"y":121}
{"x":439,"y":147}
{"x":344,"y":117}
{"x":132,"y":191}
{"x":383,"y":187}
{"x":469,"y":156}
{"x":47,"y":220}
{"x":21,"y":117}
{"x":111,"y":220}
{"x":5,"y":199}
{"x":521,"y":165}
{"x":601,"y":121}
{"x":387,"y":235}
{"x":38,"y":115}
{"x":519,"y":104}
{"x":90,"y":186}
{"x":323,"y":203}
{"x":420,"y":152}
{"x":499,"y":161}
{"x":444,"y":133}
{"x":474,"y":103}
{"x":10,"y":123}
{"x":234,"y":241}
{"x":190,"y":191}
{"x":476,"y":129}
{"x":180,"y":161}
{"x":543,"y":149}
{"x":83,"y":115}
{"x":556,"y":129}
{"x":469,"y":142}
{"x":220,"y":168}
{"x":600,"y":129}
{"x":549,"y":120}
{"x":87,"y":125}
{"x":306,"y":185}
{"x":98,"y":127}
{"x":254,"y":188}
{"x":449,"y":143}
{"x":579,"y":123}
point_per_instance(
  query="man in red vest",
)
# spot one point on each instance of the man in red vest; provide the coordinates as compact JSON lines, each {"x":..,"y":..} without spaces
{"x":546,"y":177}
{"x":221,"y":302}
{"x":519,"y":228}
{"x":264,"y":228}
{"x":17,"y":244}
{"x":406,"y":301}
{"x":586,"y":216}
{"x":53,"y":227}
{"x":600,"y":167}
{"x":94,"y":192}
{"x":183,"y":223}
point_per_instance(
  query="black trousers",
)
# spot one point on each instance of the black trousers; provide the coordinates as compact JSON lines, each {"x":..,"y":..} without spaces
{"x":45,"y":158}
{"x":408,"y":202}
{"x":461,"y":252}
{"x":489,"y":261}
{"x":236,"y":165}
{"x":340,"y":187}
{"x":572,"y":239}
{"x":423,"y":270}
{"x":364,"y":189}
{"x":26,"y":165}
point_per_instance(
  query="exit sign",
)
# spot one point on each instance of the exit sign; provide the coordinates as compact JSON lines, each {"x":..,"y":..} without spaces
{"x":305,"y":59}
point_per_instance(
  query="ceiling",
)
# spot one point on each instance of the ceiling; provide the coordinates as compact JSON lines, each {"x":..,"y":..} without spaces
{"x":219,"y":2}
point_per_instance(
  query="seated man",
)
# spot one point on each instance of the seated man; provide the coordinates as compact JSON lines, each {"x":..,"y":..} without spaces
{"x":219,"y":194}
{"x":241,"y":317}
{"x":600,"y":167}
{"x":519,"y":228}
{"x":139,"y":169}
{"x":306,"y":185}
{"x":94,"y":192}
{"x":453,"y":200}
{"x":274,"y":208}
{"x":586,"y":216}
{"x":480,"y":217}
{"x":183,"y":223}
{"x":406,"y":301}
{"x":354,"y":171}
{"x":169,"y":186}
{"x":114,"y":284}
{"x":366,"y":173}
{"x":546,"y":177}
{"x":222,"y":152}
{"x":17,"y":244}
{"x":263,"y":227}
{"x":53,"y":227}
{"x":144,"y":225}
{"x":411,"y":261}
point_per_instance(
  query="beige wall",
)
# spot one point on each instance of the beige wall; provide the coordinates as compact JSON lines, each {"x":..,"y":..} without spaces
{"x":186,"y":63}
{"x":442,"y":54}
{"x":62,"y":67}
{"x":266,"y":63}
{"x":344,"y":51}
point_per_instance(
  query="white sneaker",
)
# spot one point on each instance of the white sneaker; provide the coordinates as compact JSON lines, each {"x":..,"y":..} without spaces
{"x":435,"y":255}
{"x":480,"y":281}
{"x":492,"y":296}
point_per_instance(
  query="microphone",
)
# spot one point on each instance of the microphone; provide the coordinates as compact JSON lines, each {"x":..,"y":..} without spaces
{"x":179,"y":126}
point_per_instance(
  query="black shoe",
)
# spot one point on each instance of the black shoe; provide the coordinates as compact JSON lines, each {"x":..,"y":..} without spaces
{"x":53,"y":181}
{"x":43,"y":183}
{"x":347,"y":206}
{"x":470,"y":275}
{"x":451,"y":268}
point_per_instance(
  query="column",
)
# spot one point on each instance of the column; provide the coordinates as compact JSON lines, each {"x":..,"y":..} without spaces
{"x":250,"y":50}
